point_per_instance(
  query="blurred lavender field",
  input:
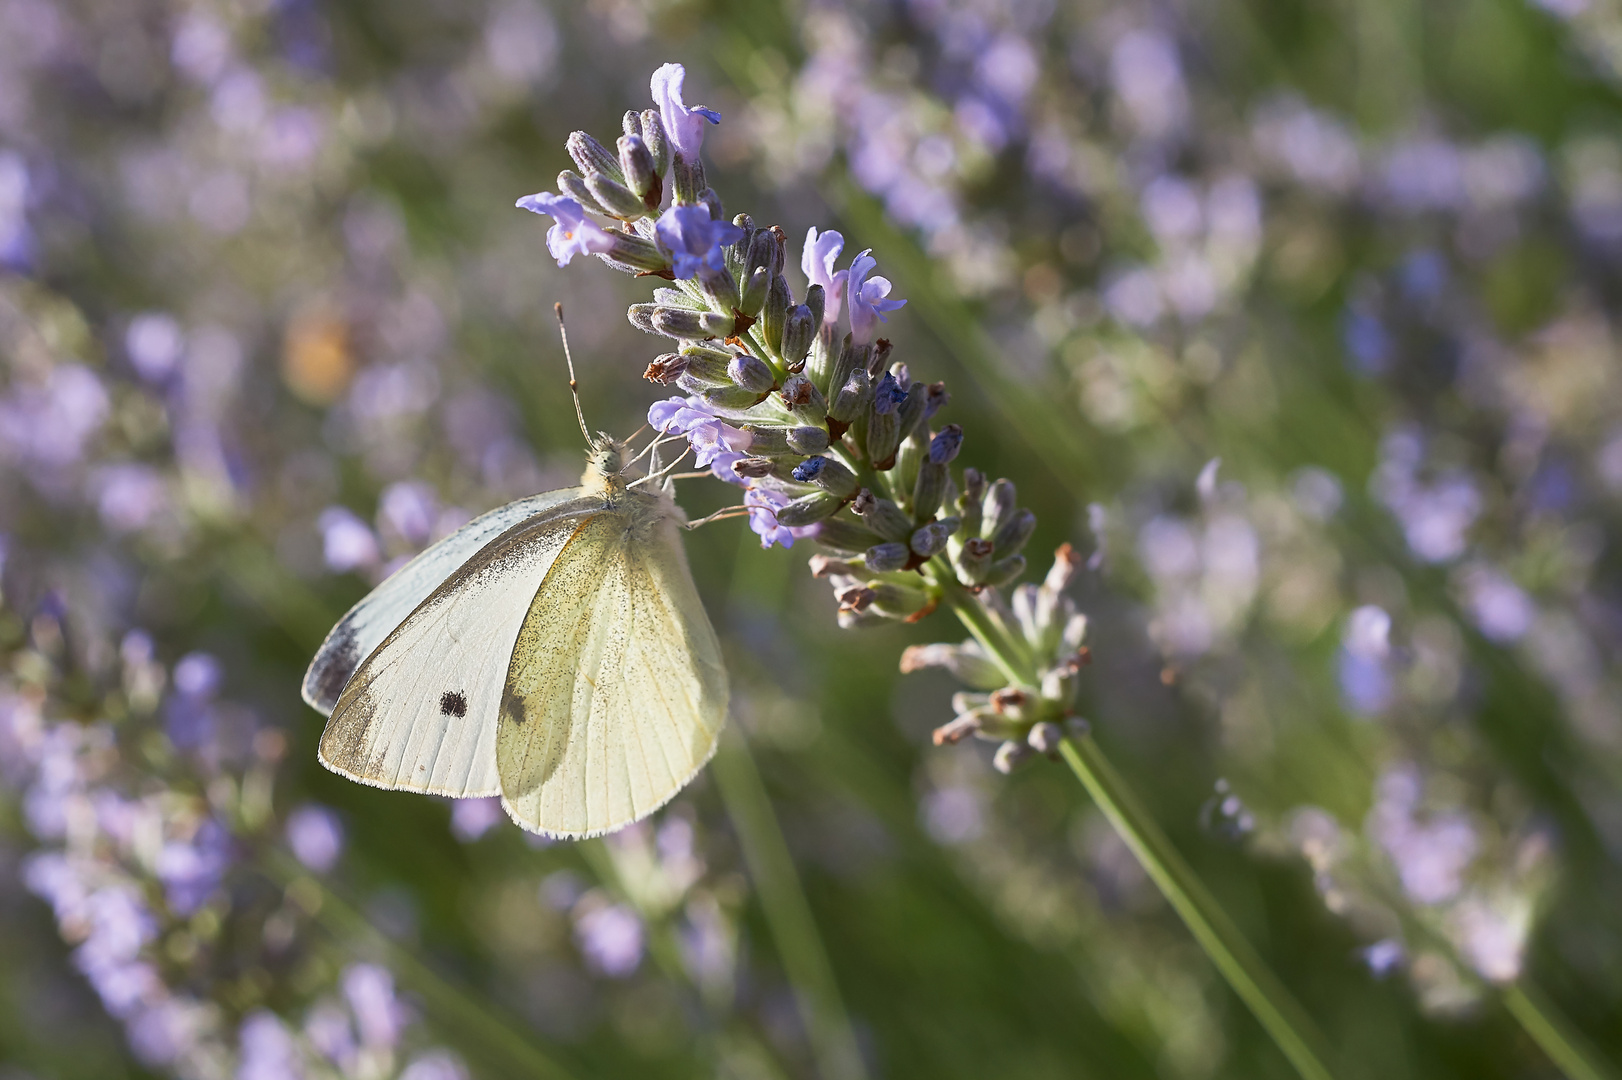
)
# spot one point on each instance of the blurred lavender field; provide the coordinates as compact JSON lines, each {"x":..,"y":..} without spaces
{"x":1299,"y":321}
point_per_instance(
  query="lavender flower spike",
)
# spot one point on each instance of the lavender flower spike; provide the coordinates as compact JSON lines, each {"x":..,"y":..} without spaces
{"x":684,"y":125}
{"x":817,"y":260}
{"x":572,"y":233}
{"x":867,"y":299}
{"x":694,"y":239}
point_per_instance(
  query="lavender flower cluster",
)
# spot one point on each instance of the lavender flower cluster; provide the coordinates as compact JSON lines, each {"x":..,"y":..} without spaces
{"x":828,"y":436}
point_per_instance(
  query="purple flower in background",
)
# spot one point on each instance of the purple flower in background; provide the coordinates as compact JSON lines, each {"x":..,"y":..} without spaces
{"x":572,"y":232}
{"x":694,"y":239}
{"x":472,"y":818}
{"x":130,"y":496}
{"x":710,"y":437}
{"x":268,"y":1050}
{"x":369,"y":990}
{"x":191,"y":871}
{"x":817,"y":260}
{"x":197,"y":675}
{"x":409,"y":506}
{"x":684,"y":124}
{"x":50,"y":424}
{"x":610,"y":938}
{"x":346,"y":542}
{"x":436,"y":1065}
{"x":315,"y":836}
{"x":867,"y":298}
{"x":328,"y":1030}
{"x":154,"y":343}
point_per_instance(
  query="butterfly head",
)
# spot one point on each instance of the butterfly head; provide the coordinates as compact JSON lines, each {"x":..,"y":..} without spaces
{"x":605,"y":462}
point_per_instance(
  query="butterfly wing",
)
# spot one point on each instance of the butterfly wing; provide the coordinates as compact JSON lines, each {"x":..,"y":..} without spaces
{"x":386,"y":607}
{"x":616,"y":693}
{"x":420,"y":711}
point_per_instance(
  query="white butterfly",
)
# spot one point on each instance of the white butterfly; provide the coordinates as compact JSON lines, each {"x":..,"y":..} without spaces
{"x":554,"y":652}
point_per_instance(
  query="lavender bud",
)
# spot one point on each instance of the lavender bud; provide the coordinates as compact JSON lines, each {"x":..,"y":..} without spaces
{"x":929,"y":540}
{"x":935,"y":397}
{"x":827,"y":474}
{"x":768,"y":439}
{"x":634,"y":253}
{"x":808,"y":440}
{"x":737,"y":253}
{"x":765,"y":253}
{"x":846,"y":362}
{"x":999,"y":504}
{"x":750,"y":373}
{"x":666,"y":368}
{"x":897,"y":601}
{"x":711,"y":202}
{"x":687,"y":323}
{"x":782,"y":246}
{"x":592,"y":156}
{"x":637,"y":165}
{"x":884,"y":558}
{"x":911,"y":411}
{"x":855,"y":598}
{"x":753,"y":296}
{"x":1009,"y":755}
{"x":816,"y":301}
{"x":905,"y":474}
{"x":883,"y":437}
{"x":653,"y":134}
{"x":573,"y":186}
{"x":887,"y":395}
{"x":696,"y":383}
{"x":687,"y":179}
{"x":968,"y":662}
{"x":1045,"y":737}
{"x":619,"y":200}
{"x":1059,"y":686}
{"x":1003,"y":571}
{"x":720,"y":287}
{"x":878,"y":361}
{"x":798,"y":332}
{"x":852,"y":397}
{"x":1012,"y":533}
{"x":847,"y":537}
{"x":809,"y":509}
{"x":944,"y":446}
{"x":754,"y":468}
{"x":974,"y":561}
{"x":774,"y":313}
{"x":929,"y":490}
{"x":631,"y":123}
{"x":641,"y":317}
{"x":731,"y":397}
{"x":822,"y":566}
{"x":885,"y":518}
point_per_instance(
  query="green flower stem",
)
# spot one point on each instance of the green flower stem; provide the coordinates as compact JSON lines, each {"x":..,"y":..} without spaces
{"x":1245,"y":971}
{"x":487,"y":1036}
{"x":788,"y":914}
{"x":1553,"y":1032}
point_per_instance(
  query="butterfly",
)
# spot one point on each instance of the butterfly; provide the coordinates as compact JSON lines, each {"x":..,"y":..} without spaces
{"x":554,"y":652}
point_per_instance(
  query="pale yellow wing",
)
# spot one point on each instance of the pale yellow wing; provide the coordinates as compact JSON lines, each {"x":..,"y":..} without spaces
{"x":420,"y":710}
{"x":616,"y":693}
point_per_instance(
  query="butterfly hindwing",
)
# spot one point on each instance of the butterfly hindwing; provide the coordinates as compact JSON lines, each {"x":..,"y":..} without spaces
{"x":420,"y":711}
{"x":616,"y":692}
{"x":386,"y":607}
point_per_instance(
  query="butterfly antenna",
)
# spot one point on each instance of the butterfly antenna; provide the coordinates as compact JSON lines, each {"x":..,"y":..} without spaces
{"x":666,"y":470}
{"x":574,"y":386}
{"x":724,"y":514}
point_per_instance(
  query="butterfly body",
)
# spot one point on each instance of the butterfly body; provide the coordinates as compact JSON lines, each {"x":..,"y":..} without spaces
{"x":553,"y":652}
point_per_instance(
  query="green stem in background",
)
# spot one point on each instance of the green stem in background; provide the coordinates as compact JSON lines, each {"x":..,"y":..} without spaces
{"x":497,"y":1041}
{"x":1244,"y":969}
{"x":1553,"y":1032}
{"x":788,"y":914}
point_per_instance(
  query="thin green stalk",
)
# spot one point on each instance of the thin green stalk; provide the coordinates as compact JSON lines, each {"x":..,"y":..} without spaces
{"x":1251,"y":979}
{"x":788,"y":914}
{"x":457,"y":1007}
{"x":1554,"y":1033}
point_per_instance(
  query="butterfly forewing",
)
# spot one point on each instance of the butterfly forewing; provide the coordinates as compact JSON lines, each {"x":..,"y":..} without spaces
{"x":385,"y":607}
{"x":616,"y":692}
{"x":420,"y":711}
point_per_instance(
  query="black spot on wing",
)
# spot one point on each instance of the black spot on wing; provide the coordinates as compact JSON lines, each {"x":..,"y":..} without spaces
{"x":453,"y":703}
